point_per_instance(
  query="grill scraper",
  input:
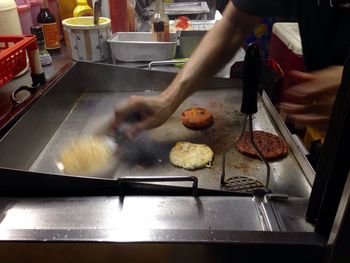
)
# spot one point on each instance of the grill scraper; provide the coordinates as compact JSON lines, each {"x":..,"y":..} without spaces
{"x":251,"y":77}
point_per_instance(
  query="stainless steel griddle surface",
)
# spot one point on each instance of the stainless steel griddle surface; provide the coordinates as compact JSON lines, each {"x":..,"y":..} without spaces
{"x":149,"y":153}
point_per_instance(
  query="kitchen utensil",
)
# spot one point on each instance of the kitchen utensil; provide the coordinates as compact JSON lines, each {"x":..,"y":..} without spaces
{"x":97,"y":11}
{"x":118,"y":135}
{"x":251,"y":76}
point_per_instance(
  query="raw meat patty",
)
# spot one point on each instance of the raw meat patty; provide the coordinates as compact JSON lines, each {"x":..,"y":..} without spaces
{"x":270,"y":145}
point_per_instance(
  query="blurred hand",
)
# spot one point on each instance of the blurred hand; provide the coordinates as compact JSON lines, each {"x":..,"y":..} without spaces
{"x":153,"y":112}
{"x":310,"y":100}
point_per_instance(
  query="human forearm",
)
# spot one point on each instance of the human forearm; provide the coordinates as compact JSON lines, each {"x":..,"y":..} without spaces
{"x":214,"y":51}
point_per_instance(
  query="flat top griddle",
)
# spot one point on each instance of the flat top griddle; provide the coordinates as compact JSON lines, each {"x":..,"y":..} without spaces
{"x":149,"y":153}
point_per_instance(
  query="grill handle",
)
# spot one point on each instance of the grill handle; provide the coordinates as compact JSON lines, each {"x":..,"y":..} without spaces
{"x":153,"y":179}
{"x":251,"y":78}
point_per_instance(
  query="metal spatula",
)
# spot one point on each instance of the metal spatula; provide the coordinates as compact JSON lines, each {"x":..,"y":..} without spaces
{"x":251,"y":76}
{"x":97,"y":11}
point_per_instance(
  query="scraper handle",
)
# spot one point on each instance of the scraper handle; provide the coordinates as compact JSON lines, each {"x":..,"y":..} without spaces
{"x":251,"y":78}
{"x":119,"y":133}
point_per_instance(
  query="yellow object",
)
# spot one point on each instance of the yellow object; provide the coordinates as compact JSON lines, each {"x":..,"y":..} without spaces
{"x":82,"y":9}
{"x":85,"y":22}
{"x":85,"y":156}
{"x":66,"y":8}
{"x":180,"y":65}
{"x":312,"y":135}
{"x":190,"y":155}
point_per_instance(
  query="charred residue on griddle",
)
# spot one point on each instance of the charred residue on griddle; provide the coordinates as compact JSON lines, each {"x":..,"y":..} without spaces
{"x":143,"y":151}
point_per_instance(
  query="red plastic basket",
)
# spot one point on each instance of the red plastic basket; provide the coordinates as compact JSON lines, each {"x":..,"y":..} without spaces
{"x":13,"y":55}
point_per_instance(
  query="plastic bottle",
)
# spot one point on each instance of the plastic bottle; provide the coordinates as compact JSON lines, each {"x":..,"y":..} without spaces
{"x":49,"y":24}
{"x":25,"y":16}
{"x":118,"y":12}
{"x":66,"y":8}
{"x":35,"y":9}
{"x":45,"y":57}
{"x":83,"y":9}
{"x":9,"y":19}
{"x":160,"y":23}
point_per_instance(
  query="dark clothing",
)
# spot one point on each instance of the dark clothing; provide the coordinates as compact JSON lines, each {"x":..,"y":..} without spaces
{"x":324,"y":26}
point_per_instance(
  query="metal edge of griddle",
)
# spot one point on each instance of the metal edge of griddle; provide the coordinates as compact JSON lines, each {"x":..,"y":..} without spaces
{"x":93,"y":72}
{"x":9,"y":149}
{"x":301,"y":159}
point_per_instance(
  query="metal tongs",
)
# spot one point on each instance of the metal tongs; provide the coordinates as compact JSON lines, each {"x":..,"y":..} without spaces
{"x":251,"y":77}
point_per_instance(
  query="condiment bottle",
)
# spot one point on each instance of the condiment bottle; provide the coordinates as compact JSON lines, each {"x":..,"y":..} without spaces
{"x":160,"y":23}
{"x":82,"y":9}
{"x":66,"y":8}
{"x":45,"y":57}
{"x":118,"y":12}
{"x":49,"y":24}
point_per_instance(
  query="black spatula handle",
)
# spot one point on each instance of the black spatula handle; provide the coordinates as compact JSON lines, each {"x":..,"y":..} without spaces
{"x":251,"y":77}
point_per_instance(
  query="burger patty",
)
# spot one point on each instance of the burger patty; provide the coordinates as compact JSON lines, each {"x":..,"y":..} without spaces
{"x":191,"y":155}
{"x":270,"y":145}
{"x":197,"y":118}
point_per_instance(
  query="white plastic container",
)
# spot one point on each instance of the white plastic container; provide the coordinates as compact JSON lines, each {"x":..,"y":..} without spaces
{"x":86,"y":41}
{"x":25,"y":15}
{"x":9,"y":19}
{"x":139,"y":46}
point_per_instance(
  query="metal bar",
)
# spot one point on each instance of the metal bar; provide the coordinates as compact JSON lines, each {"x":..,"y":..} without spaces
{"x":154,"y":179}
{"x":338,"y":242}
{"x":334,"y":164}
{"x":223,"y":162}
{"x":261,"y":156}
{"x":299,"y":247}
{"x":301,"y":158}
{"x":166,"y":62}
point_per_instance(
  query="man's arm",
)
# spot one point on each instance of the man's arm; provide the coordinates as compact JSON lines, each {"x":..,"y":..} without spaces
{"x":217,"y":47}
{"x":215,"y":50}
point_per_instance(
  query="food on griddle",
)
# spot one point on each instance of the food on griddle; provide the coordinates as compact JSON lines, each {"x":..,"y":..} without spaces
{"x":85,"y":156}
{"x":197,"y":118}
{"x":191,"y":156}
{"x":271,"y":146}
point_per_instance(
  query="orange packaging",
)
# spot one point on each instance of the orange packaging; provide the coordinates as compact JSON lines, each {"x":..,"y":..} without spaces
{"x":52,"y":40}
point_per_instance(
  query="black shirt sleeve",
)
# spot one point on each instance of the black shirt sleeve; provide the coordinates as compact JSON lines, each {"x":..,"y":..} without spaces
{"x":265,"y":7}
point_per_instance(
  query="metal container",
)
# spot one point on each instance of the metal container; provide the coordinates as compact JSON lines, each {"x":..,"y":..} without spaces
{"x":189,"y":40}
{"x":139,"y":46}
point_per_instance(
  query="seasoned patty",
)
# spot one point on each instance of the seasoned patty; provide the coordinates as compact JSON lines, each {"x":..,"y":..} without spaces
{"x":270,"y":145}
{"x":197,"y":118}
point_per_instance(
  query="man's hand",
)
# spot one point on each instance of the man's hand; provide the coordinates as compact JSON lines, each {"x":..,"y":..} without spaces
{"x":215,"y":50}
{"x":153,"y":112}
{"x":311,"y":99}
